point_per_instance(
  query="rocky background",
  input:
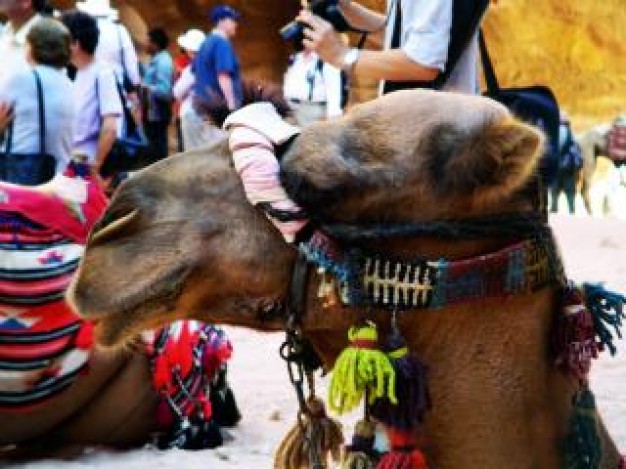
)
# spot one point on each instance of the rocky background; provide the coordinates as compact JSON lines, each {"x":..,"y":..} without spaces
{"x":578,"y":48}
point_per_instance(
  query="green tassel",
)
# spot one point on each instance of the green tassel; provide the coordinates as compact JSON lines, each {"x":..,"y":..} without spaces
{"x":583,"y":448}
{"x":360,"y":367}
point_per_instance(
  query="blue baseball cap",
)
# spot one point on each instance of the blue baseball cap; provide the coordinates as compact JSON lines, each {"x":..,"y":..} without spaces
{"x":221,"y":12}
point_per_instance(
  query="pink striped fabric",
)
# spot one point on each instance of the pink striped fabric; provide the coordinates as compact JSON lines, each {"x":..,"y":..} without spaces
{"x":256,"y":163}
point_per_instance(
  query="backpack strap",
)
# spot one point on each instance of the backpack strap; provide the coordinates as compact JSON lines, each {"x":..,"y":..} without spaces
{"x":460,"y":37}
{"x":42,"y":114}
{"x":125,"y":75}
{"x":130,"y":125}
{"x":491,"y":79}
{"x":41,"y":119}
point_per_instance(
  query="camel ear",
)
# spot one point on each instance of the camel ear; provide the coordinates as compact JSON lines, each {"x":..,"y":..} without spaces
{"x":489,"y":163}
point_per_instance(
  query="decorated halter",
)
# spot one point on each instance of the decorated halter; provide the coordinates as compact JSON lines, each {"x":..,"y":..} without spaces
{"x":362,"y":278}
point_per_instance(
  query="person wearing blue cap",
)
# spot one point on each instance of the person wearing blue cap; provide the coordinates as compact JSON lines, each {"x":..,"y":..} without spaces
{"x":216,"y":66}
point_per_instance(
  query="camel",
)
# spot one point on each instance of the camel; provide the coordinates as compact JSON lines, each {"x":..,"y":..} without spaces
{"x":593,"y":143}
{"x":179,"y":239}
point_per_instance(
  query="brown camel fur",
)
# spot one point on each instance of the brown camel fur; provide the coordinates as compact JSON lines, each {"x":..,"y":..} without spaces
{"x":181,"y":237}
{"x":116,"y":393}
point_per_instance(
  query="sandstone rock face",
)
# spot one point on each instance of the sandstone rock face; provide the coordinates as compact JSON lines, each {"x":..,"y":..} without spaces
{"x":576,"y":48}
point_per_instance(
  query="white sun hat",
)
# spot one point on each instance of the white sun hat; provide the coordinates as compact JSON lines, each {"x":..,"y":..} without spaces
{"x":98,"y":8}
{"x":191,"y":40}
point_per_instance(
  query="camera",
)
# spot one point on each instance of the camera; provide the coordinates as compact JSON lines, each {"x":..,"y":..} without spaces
{"x":326,"y":9}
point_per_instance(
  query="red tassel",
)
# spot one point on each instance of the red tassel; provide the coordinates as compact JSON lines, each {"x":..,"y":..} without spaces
{"x":403,"y":454}
{"x":185,"y":350}
{"x":573,"y":340}
{"x":207,"y":409}
{"x":162,"y":376}
{"x":84,"y":337}
{"x":622,"y":463}
{"x":164,"y":415}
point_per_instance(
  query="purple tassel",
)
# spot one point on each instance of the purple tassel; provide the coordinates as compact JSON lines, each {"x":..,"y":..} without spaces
{"x":411,"y":388}
{"x":573,"y":340}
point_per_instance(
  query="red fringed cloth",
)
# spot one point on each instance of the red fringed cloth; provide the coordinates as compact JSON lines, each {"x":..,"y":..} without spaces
{"x":43,"y":344}
{"x":186,"y":358}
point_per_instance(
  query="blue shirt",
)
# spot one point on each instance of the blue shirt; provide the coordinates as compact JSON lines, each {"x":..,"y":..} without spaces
{"x":216,"y":56}
{"x":159,"y":79}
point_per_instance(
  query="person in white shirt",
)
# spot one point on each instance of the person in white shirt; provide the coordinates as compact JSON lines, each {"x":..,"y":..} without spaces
{"x":22,"y":15}
{"x":312,"y":88}
{"x":95,"y":94}
{"x":183,"y":91}
{"x":115,"y":46}
{"x":116,"y":49}
{"x":417,"y":52}
{"x":47,"y":54}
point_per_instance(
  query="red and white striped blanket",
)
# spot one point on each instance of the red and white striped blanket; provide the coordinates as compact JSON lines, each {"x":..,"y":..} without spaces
{"x":43,"y":344}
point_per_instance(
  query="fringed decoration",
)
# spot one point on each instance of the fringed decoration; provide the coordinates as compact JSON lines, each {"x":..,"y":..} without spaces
{"x":225,"y":410}
{"x":360,"y":367}
{"x":583,"y":448}
{"x":573,"y":336}
{"x":318,"y":430}
{"x":622,"y":463}
{"x":403,"y":454}
{"x":607,"y":309}
{"x":360,"y":453}
{"x":413,"y":398}
{"x":184,"y":358}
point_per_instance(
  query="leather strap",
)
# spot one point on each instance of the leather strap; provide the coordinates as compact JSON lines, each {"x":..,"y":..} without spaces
{"x":41,"y":116}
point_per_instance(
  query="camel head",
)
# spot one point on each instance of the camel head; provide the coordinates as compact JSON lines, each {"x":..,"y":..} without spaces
{"x":412,"y":155}
{"x":180,"y":239}
{"x":177,"y":237}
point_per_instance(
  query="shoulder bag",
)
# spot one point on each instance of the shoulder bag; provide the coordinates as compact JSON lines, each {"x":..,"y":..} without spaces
{"x":28,"y":169}
{"x":533,"y":104}
{"x":129,"y":150}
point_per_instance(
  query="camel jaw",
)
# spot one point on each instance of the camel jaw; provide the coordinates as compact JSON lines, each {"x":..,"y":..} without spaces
{"x":119,"y":318}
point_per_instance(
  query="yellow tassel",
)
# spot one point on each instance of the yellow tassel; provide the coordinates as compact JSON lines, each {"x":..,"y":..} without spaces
{"x":294,"y":450}
{"x":361,"y":366}
{"x":358,"y":461}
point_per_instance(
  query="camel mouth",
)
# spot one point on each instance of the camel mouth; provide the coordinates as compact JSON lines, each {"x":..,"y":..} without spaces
{"x":114,"y":315}
{"x":119,"y":329}
{"x":307,"y":195}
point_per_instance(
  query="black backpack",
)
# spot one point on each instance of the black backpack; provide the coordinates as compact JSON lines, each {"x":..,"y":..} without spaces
{"x":534,"y":104}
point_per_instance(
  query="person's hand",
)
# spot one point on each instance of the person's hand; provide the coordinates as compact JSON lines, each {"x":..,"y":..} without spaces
{"x":6,"y":115}
{"x":321,"y":37}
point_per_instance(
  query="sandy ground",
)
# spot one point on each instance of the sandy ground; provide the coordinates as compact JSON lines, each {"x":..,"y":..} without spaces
{"x":593,"y":249}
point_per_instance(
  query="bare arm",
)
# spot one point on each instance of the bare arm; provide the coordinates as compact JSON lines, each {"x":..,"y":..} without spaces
{"x":380,"y":65}
{"x":108,"y":134}
{"x":392,"y":65}
{"x":226,"y":85}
